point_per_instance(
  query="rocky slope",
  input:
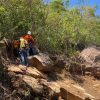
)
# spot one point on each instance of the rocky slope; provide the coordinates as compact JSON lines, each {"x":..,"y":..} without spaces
{"x":56,"y":79}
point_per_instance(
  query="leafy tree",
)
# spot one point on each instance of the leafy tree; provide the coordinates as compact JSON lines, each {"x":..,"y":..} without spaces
{"x":57,"y":27}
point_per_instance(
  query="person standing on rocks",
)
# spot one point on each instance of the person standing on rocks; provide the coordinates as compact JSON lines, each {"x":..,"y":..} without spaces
{"x":23,"y":51}
{"x":31,"y":50}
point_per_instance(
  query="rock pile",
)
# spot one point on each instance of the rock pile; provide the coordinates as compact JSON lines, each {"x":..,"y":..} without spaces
{"x":38,"y":82}
{"x":91,"y":55}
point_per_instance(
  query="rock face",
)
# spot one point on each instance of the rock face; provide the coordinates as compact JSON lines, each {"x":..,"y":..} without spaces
{"x":30,"y":71}
{"x":39,"y":84}
{"x":33,"y":83}
{"x":59,"y":63}
{"x":91,"y":55}
{"x":42,"y":62}
{"x":33,"y":79}
{"x":73,"y":92}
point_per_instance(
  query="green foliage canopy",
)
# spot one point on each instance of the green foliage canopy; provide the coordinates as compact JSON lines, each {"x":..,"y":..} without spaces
{"x":55,"y":26}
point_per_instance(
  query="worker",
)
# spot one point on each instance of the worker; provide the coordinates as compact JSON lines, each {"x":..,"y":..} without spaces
{"x":16,"y":48}
{"x":31,"y":50}
{"x":23,"y":51}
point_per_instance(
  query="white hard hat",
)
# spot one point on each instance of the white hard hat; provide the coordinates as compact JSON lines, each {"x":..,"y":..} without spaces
{"x":29,"y":32}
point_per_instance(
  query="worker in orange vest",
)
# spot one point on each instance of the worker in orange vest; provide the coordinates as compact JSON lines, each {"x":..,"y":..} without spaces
{"x":31,"y":50}
{"x":16,"y":44}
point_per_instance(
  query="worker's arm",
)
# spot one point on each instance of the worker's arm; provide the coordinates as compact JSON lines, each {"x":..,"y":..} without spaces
{"x":33,"y":40}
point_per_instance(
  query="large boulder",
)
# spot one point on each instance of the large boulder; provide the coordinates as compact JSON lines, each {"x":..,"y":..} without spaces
{"x":34,"y":80}
{"x":74,"y":92}
{"x":91,"y":55}
{"x":42,"y":62}
{"x":30,"y":71}
{"x":33,"y":83}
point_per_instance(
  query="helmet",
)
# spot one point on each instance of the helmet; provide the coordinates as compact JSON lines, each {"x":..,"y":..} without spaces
{"x":29,"y":32}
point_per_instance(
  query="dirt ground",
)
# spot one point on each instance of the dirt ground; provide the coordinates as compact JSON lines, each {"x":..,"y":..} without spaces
{"x":88,"y":83}
{"x":92,"y":86}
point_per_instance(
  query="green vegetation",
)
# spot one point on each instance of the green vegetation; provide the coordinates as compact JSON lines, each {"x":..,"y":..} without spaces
{"x":57,"y":28}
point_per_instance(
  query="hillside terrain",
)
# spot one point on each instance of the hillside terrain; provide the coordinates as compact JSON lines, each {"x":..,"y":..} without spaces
{"x":64,"y":80}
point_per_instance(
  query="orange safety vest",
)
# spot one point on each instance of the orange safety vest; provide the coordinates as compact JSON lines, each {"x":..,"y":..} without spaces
{"x":29,"y":38}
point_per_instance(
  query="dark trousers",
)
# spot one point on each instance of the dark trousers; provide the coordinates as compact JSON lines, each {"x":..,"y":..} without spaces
{"x":23,"y":57}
